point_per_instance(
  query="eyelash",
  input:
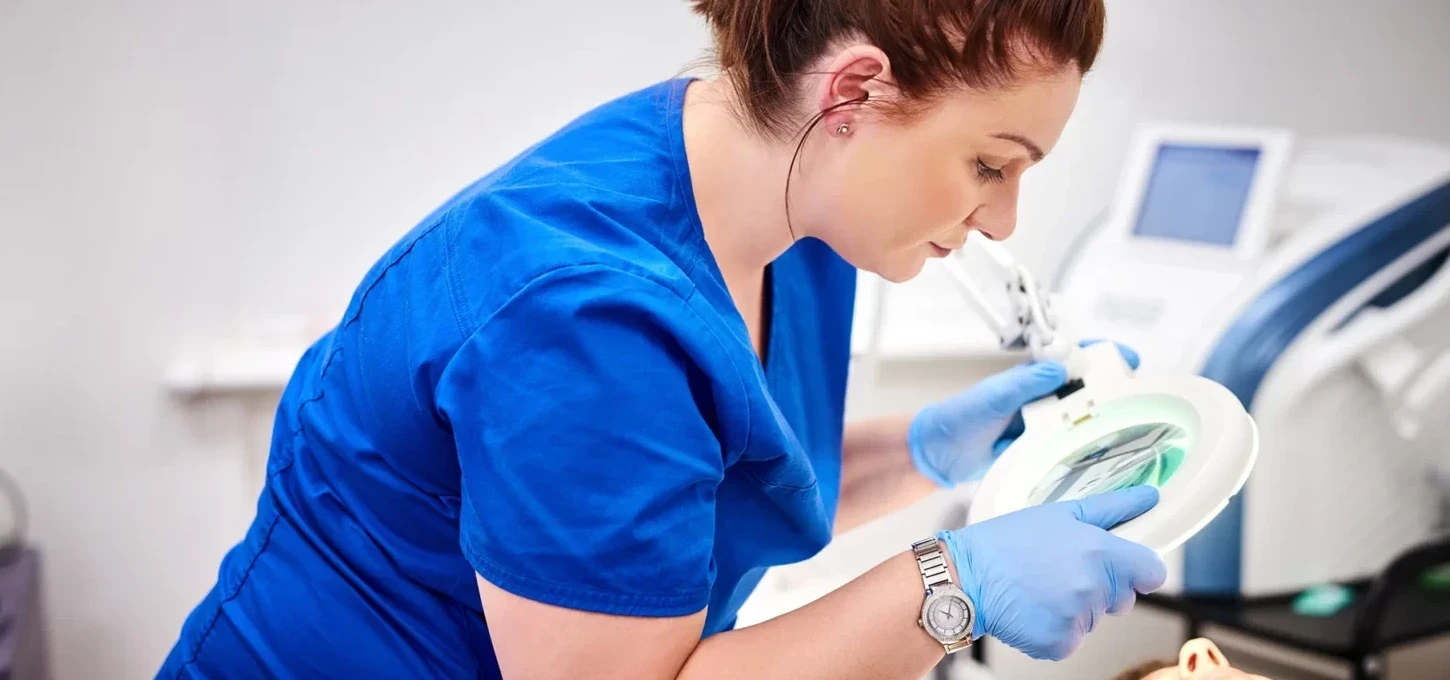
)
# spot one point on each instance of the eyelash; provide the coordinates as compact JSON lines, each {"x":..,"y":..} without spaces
{"x":987,"y":173}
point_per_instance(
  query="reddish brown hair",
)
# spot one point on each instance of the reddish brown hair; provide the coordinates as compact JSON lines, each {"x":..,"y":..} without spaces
{"x":764,"y":46}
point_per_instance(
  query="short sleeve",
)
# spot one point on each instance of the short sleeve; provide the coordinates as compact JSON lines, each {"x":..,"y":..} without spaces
{"x":582,"y":413}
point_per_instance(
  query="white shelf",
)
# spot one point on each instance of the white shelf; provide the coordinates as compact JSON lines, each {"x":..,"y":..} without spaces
{"x":235,"y":368}
{"x":925,"y":318}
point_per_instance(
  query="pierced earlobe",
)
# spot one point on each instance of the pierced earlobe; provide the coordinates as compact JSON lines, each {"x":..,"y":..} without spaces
{"x":843,"y":129}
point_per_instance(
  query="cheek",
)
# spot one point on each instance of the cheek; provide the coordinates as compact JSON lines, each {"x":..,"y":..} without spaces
{"x":898,"y":199}
{"x":948,"y":196}
{"x":941,"y":188}
{"x":867,"y":203}
{"x":880,"y":203}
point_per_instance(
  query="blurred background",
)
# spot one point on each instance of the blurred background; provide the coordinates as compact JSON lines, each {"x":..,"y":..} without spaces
{"x":189,"y":192}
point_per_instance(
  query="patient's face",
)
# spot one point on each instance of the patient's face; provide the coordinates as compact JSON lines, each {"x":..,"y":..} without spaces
{"x":1200,"y":659}
{"x":1222,"y":673}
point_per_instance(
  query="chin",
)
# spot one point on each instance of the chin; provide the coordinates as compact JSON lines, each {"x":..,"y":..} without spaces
{"x":900,"y":270}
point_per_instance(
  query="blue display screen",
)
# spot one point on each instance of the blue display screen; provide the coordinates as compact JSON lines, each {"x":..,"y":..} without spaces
{"x":1197,"y":193}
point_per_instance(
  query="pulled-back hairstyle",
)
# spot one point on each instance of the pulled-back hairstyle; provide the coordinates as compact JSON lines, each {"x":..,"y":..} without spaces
{"x":764,"y":46}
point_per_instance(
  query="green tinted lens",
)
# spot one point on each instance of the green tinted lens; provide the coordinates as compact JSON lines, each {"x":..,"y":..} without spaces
{"x":1141,"y":454}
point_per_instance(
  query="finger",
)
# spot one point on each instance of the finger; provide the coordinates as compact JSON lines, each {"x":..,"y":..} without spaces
{"x":1110,"y":509}
{"x":1063,"y":648}
{"x":1123,"y":600}
{"x":1129,"y":354}
{"x":1134,"y":569}
{"x":1015,"y":428}
{"x":1005,"y":393}
{"x":1120,"y":592}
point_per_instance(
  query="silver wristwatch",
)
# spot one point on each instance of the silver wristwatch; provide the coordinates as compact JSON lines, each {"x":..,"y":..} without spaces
{"x":947,"y":615}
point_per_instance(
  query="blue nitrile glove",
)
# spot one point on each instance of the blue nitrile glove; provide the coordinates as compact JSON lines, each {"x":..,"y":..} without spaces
{"x":1042,"y":577}
{"x":956,"y":440}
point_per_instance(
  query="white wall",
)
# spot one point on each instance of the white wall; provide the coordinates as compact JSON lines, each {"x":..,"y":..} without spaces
{"x":173,"y":172}
{"x":1314,"y":66}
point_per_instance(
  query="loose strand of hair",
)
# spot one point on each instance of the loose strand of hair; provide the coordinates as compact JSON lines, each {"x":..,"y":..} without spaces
{"x":800,"y":147}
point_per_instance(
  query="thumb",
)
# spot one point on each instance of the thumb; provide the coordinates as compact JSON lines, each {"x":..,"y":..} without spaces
{"x":1110,"y":509}
{"x":1007,"y":392}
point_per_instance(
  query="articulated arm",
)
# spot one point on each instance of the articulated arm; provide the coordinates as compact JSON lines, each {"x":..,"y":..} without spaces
{"x":1030,"y":324}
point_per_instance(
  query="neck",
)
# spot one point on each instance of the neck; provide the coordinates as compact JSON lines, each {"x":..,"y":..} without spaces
{"x":739,"y":180}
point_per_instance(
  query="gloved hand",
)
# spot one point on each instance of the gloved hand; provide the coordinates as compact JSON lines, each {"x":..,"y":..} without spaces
{"x":956,"y":440}
{"x":1042,"y":577}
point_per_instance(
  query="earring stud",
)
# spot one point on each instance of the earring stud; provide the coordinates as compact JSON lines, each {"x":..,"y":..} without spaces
{"x":842,"y":129}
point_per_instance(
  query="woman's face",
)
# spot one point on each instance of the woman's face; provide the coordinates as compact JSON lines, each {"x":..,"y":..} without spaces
{"x":889,"y":194}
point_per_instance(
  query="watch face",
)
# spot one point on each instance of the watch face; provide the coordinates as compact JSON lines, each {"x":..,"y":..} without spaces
{"x":947,"y":616}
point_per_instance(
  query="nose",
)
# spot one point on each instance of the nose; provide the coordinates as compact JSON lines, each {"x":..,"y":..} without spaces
{"x":997,"y":218}
{"x":1200,"y":659}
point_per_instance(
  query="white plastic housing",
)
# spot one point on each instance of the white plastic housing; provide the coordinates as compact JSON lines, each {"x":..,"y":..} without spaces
{"x":1222,"y":445}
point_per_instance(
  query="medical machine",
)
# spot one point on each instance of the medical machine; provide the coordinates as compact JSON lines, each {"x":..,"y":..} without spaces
{"x":1308,"y":277}
{"x":23,"y":642}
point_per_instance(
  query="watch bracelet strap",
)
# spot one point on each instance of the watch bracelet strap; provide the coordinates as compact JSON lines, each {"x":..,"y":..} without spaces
{"x":957,"y":646}
{"x":932,"y":562}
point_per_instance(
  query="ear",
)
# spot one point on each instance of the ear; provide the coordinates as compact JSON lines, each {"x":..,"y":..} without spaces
{"x":859,"y":73}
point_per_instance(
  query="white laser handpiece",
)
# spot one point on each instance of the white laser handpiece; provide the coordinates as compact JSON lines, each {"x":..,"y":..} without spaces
{"x":1030,"y":324}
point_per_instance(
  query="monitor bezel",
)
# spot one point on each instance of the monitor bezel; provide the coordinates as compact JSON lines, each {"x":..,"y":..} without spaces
{"x":1274,"y":146}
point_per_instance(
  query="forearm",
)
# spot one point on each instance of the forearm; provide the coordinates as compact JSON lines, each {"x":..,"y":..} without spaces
{"x":877,"y":475}
{"x":866,"y":629}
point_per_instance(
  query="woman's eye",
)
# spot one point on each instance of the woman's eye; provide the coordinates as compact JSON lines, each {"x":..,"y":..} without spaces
{"x":988,"y":173}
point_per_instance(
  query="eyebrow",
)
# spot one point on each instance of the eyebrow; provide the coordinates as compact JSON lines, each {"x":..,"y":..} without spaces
{"x":1033,"y":149}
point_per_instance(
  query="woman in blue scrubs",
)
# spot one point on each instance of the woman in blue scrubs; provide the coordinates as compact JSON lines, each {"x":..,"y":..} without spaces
{"x":569,"y":420}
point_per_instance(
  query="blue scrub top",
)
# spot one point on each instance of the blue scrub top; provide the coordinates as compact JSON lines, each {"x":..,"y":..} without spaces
{"x":547,"y":383}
